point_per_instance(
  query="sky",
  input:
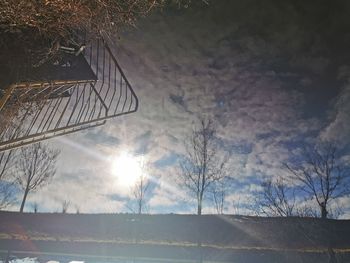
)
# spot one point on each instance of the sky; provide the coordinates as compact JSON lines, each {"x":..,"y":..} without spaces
{"x":273,"y":75}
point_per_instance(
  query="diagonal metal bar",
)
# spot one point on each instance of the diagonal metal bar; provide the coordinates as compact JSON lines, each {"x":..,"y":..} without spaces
{"x":67,"y":106}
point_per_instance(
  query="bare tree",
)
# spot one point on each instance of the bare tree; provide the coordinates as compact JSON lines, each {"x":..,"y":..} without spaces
{"x":65,"y":206}
{"x":140,"y":191}
{"x":60,"y":17}
{"x":7,"y":195}
{"x":322,"y":175}
{"x":203,"y":163}
{"x":138,"y":200}
{"x":35,"y":167}
{"x":77,"y":209}
{"x":35,"y":207}
{"x":276,"y":199}
{"x":219,"y":192}
{"x":5,"y":163}
{"x":32,"y":28}
{"x":6,"y":157}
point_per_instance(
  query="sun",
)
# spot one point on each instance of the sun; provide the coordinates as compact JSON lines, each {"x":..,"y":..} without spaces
{"x":127,"y":169}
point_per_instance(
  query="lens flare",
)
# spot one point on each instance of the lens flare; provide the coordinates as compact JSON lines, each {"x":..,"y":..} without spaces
{"x":127,"y":169}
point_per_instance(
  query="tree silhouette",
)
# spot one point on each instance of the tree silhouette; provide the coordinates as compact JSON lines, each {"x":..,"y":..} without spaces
{"x":276,"y":199}
{"x":322,"y":175}
{"x":203,"y":164}
{"x":140,"y":190}
{"x":35,"y":167}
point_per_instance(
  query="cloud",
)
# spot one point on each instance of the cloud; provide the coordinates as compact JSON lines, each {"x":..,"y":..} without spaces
{"x":338,"y":127}
{"x":255,"y":68}
{"x":84,"y":190}
{"x":169,"y":198}
{"x":166,"y":160}
{"x":99,"y":136}
{"x":143,"y":142}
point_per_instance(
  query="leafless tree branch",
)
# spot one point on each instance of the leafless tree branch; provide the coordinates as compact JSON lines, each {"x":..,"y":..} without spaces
{"x":276,"y":199}
{"x":35,"y":168}
{"x":321,"y":175}
{"x":140,"y":191}
{"x":203,"y":164}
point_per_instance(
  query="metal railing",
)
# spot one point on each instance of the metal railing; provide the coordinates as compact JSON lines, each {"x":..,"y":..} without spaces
{"x":53,"y":108}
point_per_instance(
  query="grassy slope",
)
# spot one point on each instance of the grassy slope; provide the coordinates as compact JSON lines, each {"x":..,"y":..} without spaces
{"x":185,"y":230}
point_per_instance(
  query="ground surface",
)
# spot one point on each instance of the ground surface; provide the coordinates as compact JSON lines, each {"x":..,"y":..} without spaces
{"x":179,"y":236}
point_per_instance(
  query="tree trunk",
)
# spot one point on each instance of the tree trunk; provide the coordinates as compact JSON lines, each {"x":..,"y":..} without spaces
{"x":140,"y":209}
{"x":24,"y":200}
{"x":324,"y":212}
{"x":199,"y":208}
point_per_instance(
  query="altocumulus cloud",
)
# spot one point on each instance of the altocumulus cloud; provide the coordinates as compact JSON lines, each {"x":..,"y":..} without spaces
{"x":267,"y":72}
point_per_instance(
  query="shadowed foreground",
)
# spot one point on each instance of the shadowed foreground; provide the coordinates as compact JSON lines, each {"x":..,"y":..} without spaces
{"x":174,"y":237}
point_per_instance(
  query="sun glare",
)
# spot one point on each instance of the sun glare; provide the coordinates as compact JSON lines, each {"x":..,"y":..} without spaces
{"x":127,"y":169}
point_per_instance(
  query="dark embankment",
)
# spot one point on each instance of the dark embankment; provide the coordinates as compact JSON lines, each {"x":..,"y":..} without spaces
{"x":184,"y":237}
